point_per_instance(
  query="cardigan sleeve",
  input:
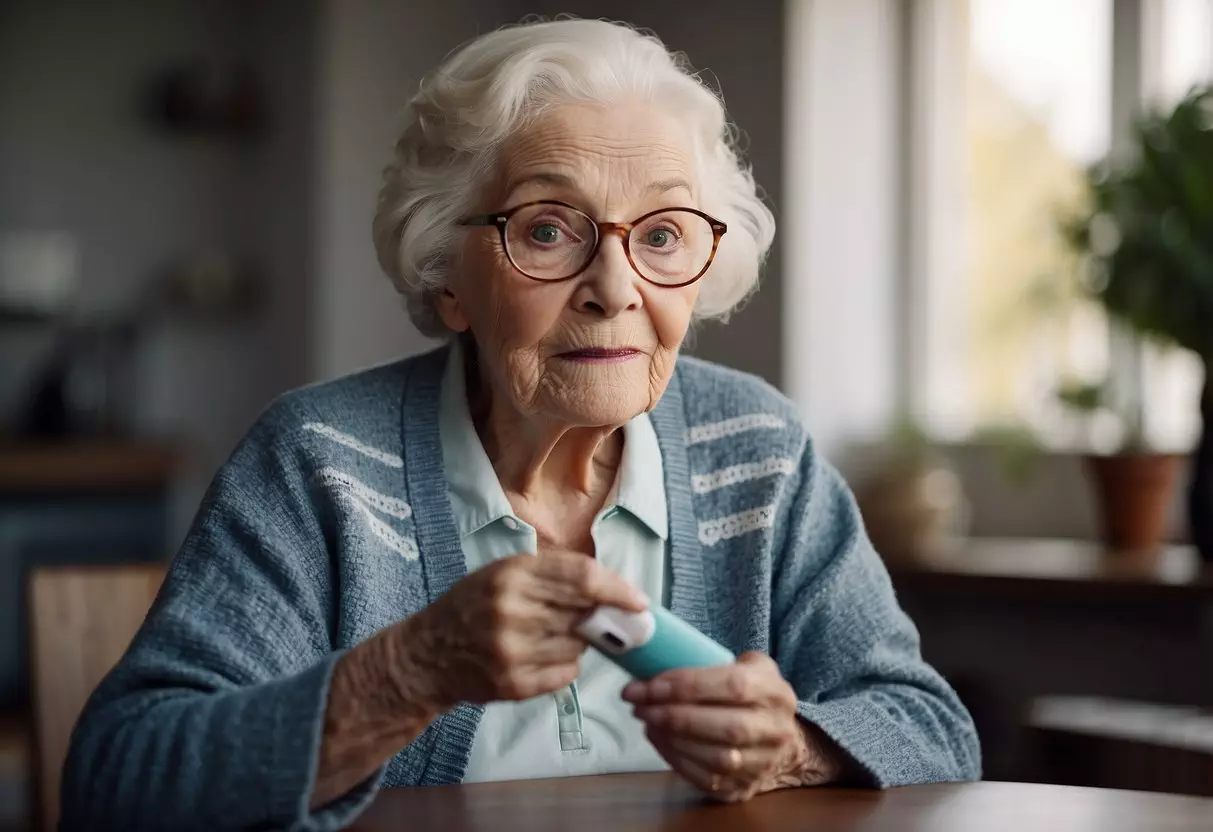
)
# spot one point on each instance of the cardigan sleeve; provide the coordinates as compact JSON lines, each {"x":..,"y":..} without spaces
{"x":213,"y":718}
{"x":852,"y":655}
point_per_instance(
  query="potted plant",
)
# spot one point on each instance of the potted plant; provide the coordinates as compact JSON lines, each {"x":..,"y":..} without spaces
{"x":1135,"y":485}
{"x":1146,"y":240}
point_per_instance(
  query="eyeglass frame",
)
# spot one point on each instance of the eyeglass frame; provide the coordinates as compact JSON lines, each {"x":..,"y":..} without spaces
{"x":602,"y":229}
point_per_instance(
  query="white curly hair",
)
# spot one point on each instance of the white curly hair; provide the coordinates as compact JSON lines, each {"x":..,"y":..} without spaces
{"x":492,"y":87}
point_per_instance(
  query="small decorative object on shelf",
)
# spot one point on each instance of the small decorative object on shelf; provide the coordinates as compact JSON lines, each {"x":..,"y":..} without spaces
{"x":206,"y":99}
{"x":914,"y":507}
{"x":1146,"y":251}
{"x":207,"y":286}
{"x":39,"y":274}
{"x":86,"y":386}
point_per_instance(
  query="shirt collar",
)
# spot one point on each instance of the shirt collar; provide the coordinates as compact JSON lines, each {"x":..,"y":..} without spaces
{"x":477,"y":498}
{"x":640,"y":486}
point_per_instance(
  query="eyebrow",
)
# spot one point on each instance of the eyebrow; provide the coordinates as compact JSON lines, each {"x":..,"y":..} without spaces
{"x":561,"y":180}
{"x":542,"y":178}
{"x":664,"y":185}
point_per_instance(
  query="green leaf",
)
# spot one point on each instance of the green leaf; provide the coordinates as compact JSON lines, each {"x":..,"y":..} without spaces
{"x":1159,"y":280}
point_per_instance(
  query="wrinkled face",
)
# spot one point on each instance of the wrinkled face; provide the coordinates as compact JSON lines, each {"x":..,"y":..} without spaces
{"x":599,"y":348}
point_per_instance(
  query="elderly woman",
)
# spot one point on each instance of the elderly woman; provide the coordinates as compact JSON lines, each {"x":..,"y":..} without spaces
{"x":383,"y":585}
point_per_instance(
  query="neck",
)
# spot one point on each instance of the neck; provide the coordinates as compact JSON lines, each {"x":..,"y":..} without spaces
{"x":532,"y":455}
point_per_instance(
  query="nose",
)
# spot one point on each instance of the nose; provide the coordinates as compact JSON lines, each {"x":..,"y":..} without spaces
{"x":608,"y":286}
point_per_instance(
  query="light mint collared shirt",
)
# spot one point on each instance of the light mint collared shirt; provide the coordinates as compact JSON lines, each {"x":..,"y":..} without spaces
{"x":585,"y":728}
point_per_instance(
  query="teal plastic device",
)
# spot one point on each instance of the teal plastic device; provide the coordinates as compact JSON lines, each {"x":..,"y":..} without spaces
{"x":647,"y":644}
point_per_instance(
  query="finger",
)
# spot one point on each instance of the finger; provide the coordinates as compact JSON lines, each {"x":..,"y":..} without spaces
{"x":751,"y":683}
{"x":736,"y":727}
{"x":742,"y":765}
{"x":580,"y":582}
{"x":719,"y":786}
{"x":560,"y":648}
{"x":526,"y":599}
{"x":529,"y":681}
{"x":698,"y":775}
{"x":517,"y":609}
{"x":546,"y":619}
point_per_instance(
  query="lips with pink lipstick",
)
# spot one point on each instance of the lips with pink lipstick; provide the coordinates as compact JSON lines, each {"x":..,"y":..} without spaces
{"x":600,"y":355}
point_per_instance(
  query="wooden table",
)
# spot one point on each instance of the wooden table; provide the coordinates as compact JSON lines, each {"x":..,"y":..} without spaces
{"x":638,"y":802}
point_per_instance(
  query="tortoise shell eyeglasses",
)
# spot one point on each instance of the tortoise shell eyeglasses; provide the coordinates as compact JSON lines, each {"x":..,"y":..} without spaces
{"x":551,"y":241}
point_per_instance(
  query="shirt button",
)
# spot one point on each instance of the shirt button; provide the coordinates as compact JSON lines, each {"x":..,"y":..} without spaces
{"x":511,"y":524}
{"x":570,"y":708}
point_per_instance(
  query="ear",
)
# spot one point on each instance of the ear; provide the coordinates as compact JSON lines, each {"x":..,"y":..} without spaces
{"x":451,"y":312}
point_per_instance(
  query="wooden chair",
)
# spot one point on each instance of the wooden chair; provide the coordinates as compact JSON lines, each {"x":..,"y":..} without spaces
{"x":82,"y":619}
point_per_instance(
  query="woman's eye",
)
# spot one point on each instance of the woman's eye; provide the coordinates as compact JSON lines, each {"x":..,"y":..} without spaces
{"x":660,"y":238}
{"x":545,"y":233}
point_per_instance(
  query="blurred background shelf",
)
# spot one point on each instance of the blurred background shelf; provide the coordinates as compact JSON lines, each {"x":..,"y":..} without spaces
{"x":1090,"y":741}
{"x":84,"y":465}
{"x":1011,"y":622}
{"x":17,"y":316}
{"x":1071,"y":569}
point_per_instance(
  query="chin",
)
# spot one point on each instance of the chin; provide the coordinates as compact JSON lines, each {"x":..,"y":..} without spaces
{"x":599,"y":408}
{"x":594,"y":396}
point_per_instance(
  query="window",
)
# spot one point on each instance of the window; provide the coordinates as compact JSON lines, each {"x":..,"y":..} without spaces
{"x":1031,"y":109}
{"x":1010,"y":103}
{"x":1186,"y":48}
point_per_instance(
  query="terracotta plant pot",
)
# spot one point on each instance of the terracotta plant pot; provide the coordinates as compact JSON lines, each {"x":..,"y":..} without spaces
{"x":1134,"y":493}
{"x":912,"y":512}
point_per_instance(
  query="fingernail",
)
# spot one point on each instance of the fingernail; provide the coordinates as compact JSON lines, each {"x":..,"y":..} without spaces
{"x":634,"y":692}
{"x":642,"y":599}
{"x":660,"y":690}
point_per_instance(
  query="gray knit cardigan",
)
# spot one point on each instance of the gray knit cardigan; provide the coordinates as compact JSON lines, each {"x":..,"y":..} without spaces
{"x":331,"y":521}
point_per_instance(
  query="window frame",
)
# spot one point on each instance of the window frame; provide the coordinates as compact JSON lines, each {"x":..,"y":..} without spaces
{"x":1136,"y":79}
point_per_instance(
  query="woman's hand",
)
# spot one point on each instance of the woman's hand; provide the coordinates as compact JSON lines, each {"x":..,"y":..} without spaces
{"x":733,"y":731}
{"x":502,"y":632}
{"x":506,"y":631}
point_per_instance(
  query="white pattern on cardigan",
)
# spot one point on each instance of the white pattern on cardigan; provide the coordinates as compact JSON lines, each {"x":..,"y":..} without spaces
{"x":745,"y":472}
{"x":712,"y":431}
{"x":354,"y":487}
{"x":342,"y":438}
{"x":712,"y":532}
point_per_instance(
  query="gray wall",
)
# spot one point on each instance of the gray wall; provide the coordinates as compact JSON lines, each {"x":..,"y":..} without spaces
{"x":76,"y":155}
{"x":373,"y":54}
{"x":371,"y":57}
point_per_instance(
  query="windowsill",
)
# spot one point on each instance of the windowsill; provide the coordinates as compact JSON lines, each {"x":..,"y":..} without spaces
{"x":1037,"y":568}
{"x":1048,"y":496}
